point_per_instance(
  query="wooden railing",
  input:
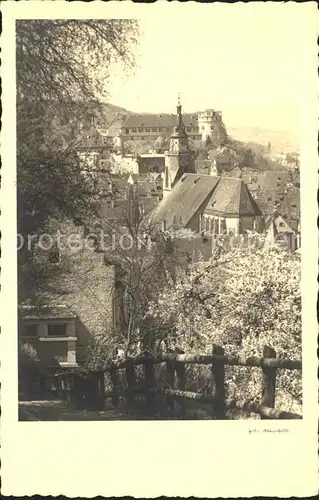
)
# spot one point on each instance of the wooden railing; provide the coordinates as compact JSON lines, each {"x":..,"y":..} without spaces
{"x":176,"y":381}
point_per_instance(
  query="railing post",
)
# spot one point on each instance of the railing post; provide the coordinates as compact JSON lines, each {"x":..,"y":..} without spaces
{"x":130,"y":377}
{"x":101,"y":390}
{"x":115,"y":386}
{"x":170,"y":380}
{"x":269,"y":381}
{"x":149,"y":385}
{"x":218,"y":385}
{"x":180,"y":384}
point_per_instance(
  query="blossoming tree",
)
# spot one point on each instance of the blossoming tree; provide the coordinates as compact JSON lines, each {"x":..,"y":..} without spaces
{"x":242,"y":299}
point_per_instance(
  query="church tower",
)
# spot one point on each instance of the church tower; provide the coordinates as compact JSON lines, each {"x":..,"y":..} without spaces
{"x":179,"y":159}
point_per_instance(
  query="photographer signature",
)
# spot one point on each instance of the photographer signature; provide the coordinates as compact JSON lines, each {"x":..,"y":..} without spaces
{"x":253,"y":431}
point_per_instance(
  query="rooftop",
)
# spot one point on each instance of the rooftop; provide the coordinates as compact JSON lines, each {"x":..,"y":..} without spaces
{"x":185,"y":199}
{"x":231,"y":198}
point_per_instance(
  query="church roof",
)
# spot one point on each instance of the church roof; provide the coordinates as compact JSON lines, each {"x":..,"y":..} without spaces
{"x":231,"y":198}
{"x":221,"y":196}
{"x":185,"y":199}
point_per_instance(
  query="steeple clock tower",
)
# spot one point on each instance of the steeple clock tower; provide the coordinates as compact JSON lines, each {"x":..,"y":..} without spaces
{"x":179,"y":159}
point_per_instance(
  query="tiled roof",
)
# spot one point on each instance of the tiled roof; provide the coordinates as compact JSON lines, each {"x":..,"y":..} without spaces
{"x":231,"y":198}
{"x":188,"y":195}
{"x":159,"y":120}
{"x":46,"y":312}
{"x":267,"y":180}
{"x":286,"y":202}
{"x":274,"y":221}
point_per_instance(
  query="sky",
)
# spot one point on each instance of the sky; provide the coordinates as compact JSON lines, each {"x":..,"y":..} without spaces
{"x":244,"y":62}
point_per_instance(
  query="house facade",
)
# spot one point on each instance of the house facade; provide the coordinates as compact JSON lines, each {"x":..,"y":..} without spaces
{"x":52,"y":333}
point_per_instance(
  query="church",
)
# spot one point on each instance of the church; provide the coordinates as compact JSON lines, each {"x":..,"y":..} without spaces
{"x":202,"y":203}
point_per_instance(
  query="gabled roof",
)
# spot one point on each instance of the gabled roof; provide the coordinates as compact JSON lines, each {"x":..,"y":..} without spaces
{"x":231,"y":198}
{"x":188,"y":195}
{"x":152,"y":160}
{"x":279,"y":224}
{"x":45,"y":312}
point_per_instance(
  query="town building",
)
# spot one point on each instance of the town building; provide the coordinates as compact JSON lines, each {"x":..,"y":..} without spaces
{"x":280,"y":231}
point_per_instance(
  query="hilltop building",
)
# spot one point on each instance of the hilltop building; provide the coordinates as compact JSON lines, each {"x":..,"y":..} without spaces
{"x":179,"y":159}
{"x":146,"y":126}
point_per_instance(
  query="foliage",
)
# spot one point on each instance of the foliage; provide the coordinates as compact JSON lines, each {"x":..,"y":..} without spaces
{"x":64,"y":58}
{"x":242,"y":300}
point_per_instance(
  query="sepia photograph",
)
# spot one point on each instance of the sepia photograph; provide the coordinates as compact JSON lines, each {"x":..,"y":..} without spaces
{"x":159,"y":223}
{"x":159,"y":249}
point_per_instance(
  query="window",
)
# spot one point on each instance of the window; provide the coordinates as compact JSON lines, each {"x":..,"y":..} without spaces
{"x":281,"y":224}
{"x":127,"y":130}
{"x":54,"y":256}
{"x":189,"y":129}
{"x":154,"y":129}
{"x":133,"y":129}
{"x":57,"y":330}
{"x":140,"y":129}
{"x":30,"y":331}
{"x":147,"y":130}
